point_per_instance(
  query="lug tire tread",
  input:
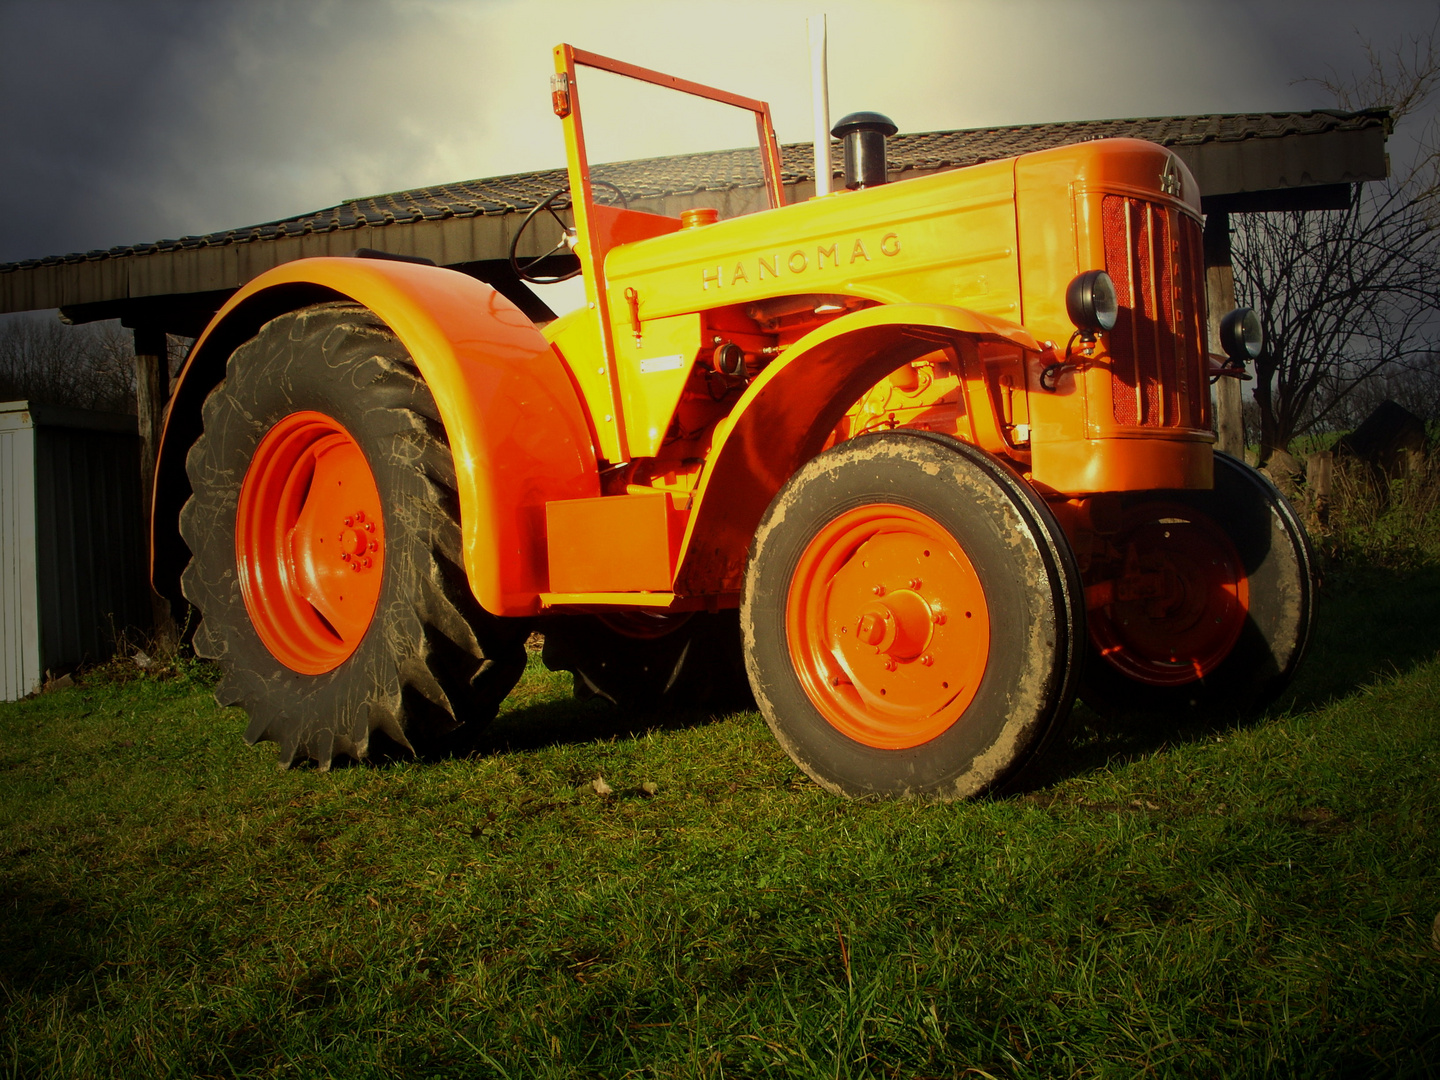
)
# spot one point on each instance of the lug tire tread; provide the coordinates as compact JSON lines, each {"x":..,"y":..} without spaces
{"x":440,"y":664}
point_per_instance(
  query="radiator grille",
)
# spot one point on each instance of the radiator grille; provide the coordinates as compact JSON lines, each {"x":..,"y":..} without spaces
{"x":1159,"y":371}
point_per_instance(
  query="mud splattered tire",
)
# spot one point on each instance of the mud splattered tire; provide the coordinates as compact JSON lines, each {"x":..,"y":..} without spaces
{"x":911,"y":619}
{"x":644,"y":661}
{"x":1246,"y":571}
{"x":330,"y":630}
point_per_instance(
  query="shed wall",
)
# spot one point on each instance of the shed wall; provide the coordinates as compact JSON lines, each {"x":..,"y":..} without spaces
{"x":91,"y":560}
{"x":72,"y":540}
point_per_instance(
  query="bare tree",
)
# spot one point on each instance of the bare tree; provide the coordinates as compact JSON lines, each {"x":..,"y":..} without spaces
{"x":1404,"y":80}
{"x":89,"y":367}
{"x":1416,"y":387}
{"x":1348,"y":296}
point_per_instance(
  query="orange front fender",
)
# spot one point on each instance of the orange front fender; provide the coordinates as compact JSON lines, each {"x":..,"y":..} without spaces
{"x":789,"y":411}
{"x":512,"y":416}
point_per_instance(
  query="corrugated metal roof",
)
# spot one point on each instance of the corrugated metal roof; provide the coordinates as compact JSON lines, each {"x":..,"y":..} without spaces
{"x":730,"y":169}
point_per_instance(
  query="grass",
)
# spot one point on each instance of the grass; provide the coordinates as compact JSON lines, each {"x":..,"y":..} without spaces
{"x":1386,"y":522}
{"x":1209,"y":901}
{"x":1372,"y":519}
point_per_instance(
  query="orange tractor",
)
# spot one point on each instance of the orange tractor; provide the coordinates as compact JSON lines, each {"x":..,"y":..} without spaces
{"x":912,"y":462}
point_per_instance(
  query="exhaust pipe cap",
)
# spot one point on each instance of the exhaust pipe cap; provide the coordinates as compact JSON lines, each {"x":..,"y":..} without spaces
{"x":864,"y":135}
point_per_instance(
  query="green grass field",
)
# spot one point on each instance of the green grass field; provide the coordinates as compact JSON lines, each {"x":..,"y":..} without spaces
{"x":1220,"y":901}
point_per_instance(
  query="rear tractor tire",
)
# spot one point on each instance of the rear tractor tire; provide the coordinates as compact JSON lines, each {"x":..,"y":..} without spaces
{"x":326,"y":548}
{"x":912,"y":619}
{"x":1208,"y":608}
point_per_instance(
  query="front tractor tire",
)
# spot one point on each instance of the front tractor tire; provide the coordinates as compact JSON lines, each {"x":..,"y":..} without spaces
{"x":1207,"y":605}
{"x":912,"y":619}
{"x":326,"y":548}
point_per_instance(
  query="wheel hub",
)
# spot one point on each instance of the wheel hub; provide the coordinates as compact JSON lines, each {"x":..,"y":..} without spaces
{"x":309,"y":542}
{"x":868,"y":630}
{"x":1178,"y":606}
{"x":899,"y":627}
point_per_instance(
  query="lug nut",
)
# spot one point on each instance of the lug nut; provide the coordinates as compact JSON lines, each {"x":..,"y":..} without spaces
{"x":355,"y":566}
{"x":927,"y":660}
{"x":359,"y":515}
{"x":349,"y":521}
{"x":914,"y":583}
{"x":367,"y":562}
{"x":938,"y":618}
{"x":369,"y":526}
{"x":889,"y":665}
{"x":879,"y":590}
{"x":346,"y":556}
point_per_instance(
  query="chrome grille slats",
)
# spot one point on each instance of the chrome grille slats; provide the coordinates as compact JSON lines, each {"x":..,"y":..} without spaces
{"x":1152,"y":253}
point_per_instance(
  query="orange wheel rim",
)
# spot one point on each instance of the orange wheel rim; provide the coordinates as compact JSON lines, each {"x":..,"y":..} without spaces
{"x":887,"y":626}
{"x":1182,"y":599}
{"x":310,"y":542}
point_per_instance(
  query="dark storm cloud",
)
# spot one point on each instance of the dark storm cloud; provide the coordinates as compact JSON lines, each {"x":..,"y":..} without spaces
{"x":125,"y":122}
{"x":79,"y":84}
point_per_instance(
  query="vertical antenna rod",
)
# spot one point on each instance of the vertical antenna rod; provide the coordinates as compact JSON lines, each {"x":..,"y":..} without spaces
{"x":820,"y":92}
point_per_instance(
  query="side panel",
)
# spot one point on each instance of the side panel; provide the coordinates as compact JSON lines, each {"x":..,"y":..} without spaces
{"x":790,"y":410}
{"x":943,"y":239}
{"x":511,"y":413}
{"x":617,"y":543}
{"x":653,"y":372}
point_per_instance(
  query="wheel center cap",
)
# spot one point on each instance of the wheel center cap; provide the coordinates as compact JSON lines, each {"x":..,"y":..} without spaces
{"x":898,"y":626}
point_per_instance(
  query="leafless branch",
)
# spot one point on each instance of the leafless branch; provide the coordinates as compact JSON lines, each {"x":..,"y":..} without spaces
{"x":1401,"y":79}
{"x":1352,"y":296}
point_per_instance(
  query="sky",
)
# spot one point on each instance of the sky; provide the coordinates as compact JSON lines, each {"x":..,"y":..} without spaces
{"x":126,"y":121}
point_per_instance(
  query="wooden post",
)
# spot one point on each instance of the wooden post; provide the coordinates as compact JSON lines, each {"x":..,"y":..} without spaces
{"x":152,"y":390}
{"x":1319,"y":469}
{"x":1220,"y":292}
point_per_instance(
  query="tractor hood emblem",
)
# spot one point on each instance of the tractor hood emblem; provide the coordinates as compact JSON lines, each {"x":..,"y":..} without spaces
{"x":1170,"y":179}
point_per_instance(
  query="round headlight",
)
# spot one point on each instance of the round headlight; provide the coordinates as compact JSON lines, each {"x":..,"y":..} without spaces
{"x":1091,"y":303}
{"x":1241,"y":336}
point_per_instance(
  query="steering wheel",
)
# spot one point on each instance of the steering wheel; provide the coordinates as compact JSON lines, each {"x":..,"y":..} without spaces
{"x":557,"y":201}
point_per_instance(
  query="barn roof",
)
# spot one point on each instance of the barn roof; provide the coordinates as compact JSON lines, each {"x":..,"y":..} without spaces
{"x":1249,"y":161}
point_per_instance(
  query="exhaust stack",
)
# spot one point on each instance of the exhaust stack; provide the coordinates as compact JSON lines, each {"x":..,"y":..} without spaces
{"x":864,"y":134}
{"x":820,"y":96}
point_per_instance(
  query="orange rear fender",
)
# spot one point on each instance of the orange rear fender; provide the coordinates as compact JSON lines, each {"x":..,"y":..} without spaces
{"x":514,"y":423}
{"x":790,"y":409}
